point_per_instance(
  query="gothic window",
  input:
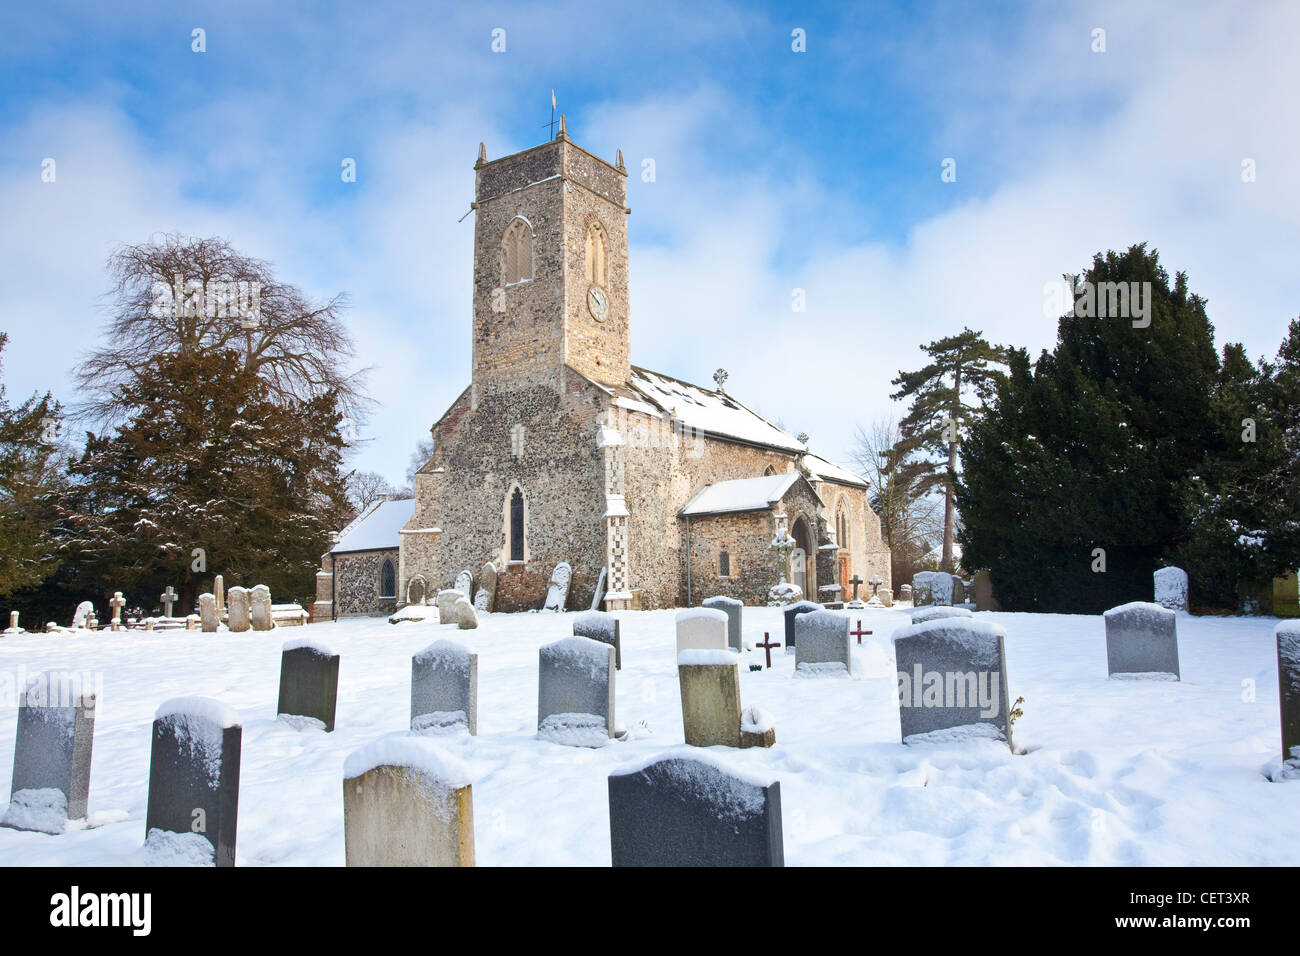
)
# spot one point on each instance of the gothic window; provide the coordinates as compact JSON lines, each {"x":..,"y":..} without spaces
{"x":387,"y":580}
{"x":517,"y":252}
{"x":517,"y":525}
{"x":769,"y":470}
{"x":596,"y":271}
{"x":724,"y":564}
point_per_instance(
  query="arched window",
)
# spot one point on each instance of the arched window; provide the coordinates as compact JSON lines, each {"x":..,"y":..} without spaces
{"x":596,"y":254}
{"x":387,"y":580}
{"x":517,"y":252}
{"x":724,"y":564}
{"x":517,"y":526}
{"x":842,"y":526}
{"x":769,"y":470}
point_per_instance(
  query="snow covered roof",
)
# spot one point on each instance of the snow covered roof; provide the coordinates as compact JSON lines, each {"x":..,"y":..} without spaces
{"x":740,"y":494}
{"x":377,"y":528}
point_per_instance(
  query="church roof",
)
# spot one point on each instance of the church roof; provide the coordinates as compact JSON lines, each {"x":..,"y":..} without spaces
{"x":740,"y":494}
{"x":377,"y":528}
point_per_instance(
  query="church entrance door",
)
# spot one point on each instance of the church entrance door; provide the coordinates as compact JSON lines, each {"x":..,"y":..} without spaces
{"x":799,"y":557}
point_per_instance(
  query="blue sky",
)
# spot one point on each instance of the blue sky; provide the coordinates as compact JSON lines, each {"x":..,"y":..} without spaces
{"x":775,"y":170}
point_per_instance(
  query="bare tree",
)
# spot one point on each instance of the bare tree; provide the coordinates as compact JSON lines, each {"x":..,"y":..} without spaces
{"x":181,"y":294}
{"x":365,"y":488}
{"x":423,"y":452}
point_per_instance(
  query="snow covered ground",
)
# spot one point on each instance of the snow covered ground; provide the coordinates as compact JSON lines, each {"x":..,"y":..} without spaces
{"x":1117,"y":772}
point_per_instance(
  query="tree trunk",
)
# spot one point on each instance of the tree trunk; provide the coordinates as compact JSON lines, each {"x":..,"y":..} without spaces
{"x":949,"y":507}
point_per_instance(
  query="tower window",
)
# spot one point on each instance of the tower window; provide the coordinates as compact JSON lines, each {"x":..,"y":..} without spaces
{"x":387,"y":580}
{"x":517,"y":252}
{"x":596,"y":270}
{"x":517,"y":525}
{"x":724,"y":564}
{"x":517,"y":440}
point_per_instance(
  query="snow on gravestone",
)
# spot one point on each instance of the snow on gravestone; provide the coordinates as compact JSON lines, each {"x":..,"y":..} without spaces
{"x":237,"y":616}
{"x":701,"y":628}
{"x":446,"y":601}
{"x":56,"y":730}
{"x":309,"y":683}
{"x":823,"y":644}
{"x":194,"y":776}
{"x":690,"y":809}
{"x":933,"y":613}
{"x":733,"y":609}
{"x":1142,"y":641}
{"x":1170,"y":585}
{"x":405,"y":803}
{"x":261,"y":609}
{"x":575,"y":692}
{"x":444,"y":689}
{"x":603,"y":627}
{"x":557,"y":592}
{"x":710,"y":689}
{"x":792,"y":612}
{"x":465,"y":583}
{"x":466,"y":616}
{"x":1288,"y":681}
{"x":485,"y":597}
{"x":208,"y":612}
{"x":84,"y":610}
{"x":952,"y":679}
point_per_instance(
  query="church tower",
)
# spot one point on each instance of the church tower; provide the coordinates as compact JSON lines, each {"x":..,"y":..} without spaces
{"x":550,"y":268}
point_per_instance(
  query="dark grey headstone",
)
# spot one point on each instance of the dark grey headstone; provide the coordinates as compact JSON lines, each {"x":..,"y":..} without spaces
{"x":792,"y":612}
{"x":822,"y":639}
{"x":952,"y":673}
{"x":687,"y":810}
{"x":444,"y":688}
{"x":575,"y":692}
{"x":309,"y":681}
{"x":1141,"y":638}
{"x":1288,"y":683}
{"x":194,"y":773}
{"x":600,"y":626}
{"x":935,"y":612}
{"x":733,"y":609}
{"x":56,"y":729}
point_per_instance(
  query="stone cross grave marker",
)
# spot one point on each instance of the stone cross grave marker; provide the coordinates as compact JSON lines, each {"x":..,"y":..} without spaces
{"x":702,"y":628}
{"x":767,"y":646}
{"x":822,"y":646}
{"x":1142,"y":641}
{"x":875,"y":583}
{"x":444,"y":689}
{"x":857,"y":582}
{"x":601,"y":626}
{"x":117,"y":603}
{"x":690,"y":809}
{"x":309,"y":681}
{"x":792,"y":612}
{"x":405,"y":803}
{"x":237,"y":616}
{"x":575,"y":692}
{"x":194,"y":774}
{"x":734,"y":610}
{"x":952,"y":678}
{"x":168,"y":600}
{"x":56,"y":731}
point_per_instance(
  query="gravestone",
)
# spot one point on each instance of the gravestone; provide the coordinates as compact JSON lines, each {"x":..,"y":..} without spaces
{"x":1142,"y":641}
{"x":117,"y":602}
{"x":219,"y":592}
{"x":82,"y":615}
{"x":446,"y":601}
{"x":922,"y":593}
{"x":194,"y":773}
{"x":444,"y":689}
{"x":886,"y":596}
{"x":905,"y":592}
{"x":792,"y":612}
{"x":733,"y":609}
{"x":309,"y":681}
{"x":208,"y":612}
{"x":261,"y":609}
{"x":689,"y":809}
{"x":465,"y":583}
{"x":957,"y":593}
{"x":1288,"y":682}
{"x":937,"y":612}
{"x":982,"y":588}
{"x":557,"y":592}
{"x":13,"y":627}
{"x":485,"y":598}
{"x":822,"y":643}
{"x":56,"y":731}
{"x":237,"y":616}
{"x":415,"y":591}
{"x":466,"y":616}
{"x":702,"y":628}
{"x":756,"y":729}
{"x":598,"y":596}
{"x":406,"y":804}
{"x":575,"y":692}
{"x":1170,"y":585}
{"x":952,"y":678}
{"x":710,"y":689}
{"x":600,"y":626}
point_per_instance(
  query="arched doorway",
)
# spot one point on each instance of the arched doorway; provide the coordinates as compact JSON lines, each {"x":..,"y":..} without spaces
{"x":800,"y":557}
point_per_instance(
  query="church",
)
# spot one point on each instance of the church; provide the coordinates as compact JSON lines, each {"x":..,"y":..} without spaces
{"x":656,"y":492}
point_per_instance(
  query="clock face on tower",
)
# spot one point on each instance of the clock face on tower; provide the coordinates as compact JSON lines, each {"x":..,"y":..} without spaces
{"x":597,"y":303}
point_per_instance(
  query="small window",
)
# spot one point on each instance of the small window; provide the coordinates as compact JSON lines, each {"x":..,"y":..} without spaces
{"x":517,"y":526}
{"x":596,"y":272}
{"x":517,"y":252}
{"x":724,"y":563}
{"x":517,"y":441}
{"x":769,"y":470}
{"x":387,"y":580}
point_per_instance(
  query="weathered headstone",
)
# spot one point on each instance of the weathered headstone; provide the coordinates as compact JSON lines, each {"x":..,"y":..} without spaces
{"x":465,"y":583}
{"x":733,"y":609}
{"x":937,"y":612}
{"x":822,"y":643}
{"x":466,"y":616}
{"x":237,"y":616}
{"x":81,"y":617}
{"x":702,"y":628}
{"x":309,"y":681}
{"x":1170,"y":585}
{"x":485,"y":597}
{"x":689,"y":809}
{"x":598,"y":596}
{"x":982,"y":586}
{"x":406,"y":804}
{"x":261,"y":609}
{"x":208,"y":612}
{"x":886,"y":596}
{"x":13,"y":627}
{"x":416,"y":590}
{"x":957,"y":592}
{"x":1141,"y":641}
{"x":600,"y":626}
{"x":444,"y":688}
{"x":756,"y":729}
{"x":952,"y":676}
{"x":194,"y":774}
{"x":575,"y":692}
{"x":56,"y":730}
{"x":557,"y":592}
{"x":1288,"y":682}
{"x":446,"y":602}
{"x":219,"y":592}
{"x":792,"y":612}
{"x":710,"y":688}
{"x":921,"y":588}
{"x":905,"y":592}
